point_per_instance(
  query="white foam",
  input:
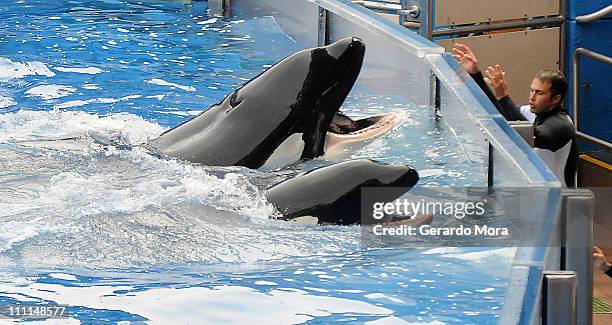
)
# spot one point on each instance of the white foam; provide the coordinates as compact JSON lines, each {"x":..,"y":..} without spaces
{"x":128,"y":97}
{"x":89,"y":70}
{"x":507,"y":253}
{"x":15,"y":70}
{"x":39,"y":125}
{"x":161,"y":82}
{"x":209,"y":21}
{"x":442,"y":250}
{"x":383,"y":296}
{"x":432,"y":172}
{"x":47,"y":92}
{"x":74,"y":103}
{"x":350,"y":291}
{"x":63,"y":276}
{"x":18,"y":297}
{"x":474,"y":256}
{"x":103,"y":100}
{"x":392,"y":320}
{"x":199,"y":304}
{"x":158,"y":97}
{"x":61,"y":321}
{"x":13,"y":232}
{"x":6,"y":102}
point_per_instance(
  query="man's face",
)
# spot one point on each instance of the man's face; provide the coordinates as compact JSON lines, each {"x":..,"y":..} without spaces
{"x":541,"y":98}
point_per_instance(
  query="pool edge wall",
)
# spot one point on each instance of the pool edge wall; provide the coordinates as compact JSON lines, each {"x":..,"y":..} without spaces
{"x":400,"y":62}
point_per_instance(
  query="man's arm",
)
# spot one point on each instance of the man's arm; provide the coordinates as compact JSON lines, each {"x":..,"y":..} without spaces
{"x":600,"y":261}
{"x":496,"y":80}
{"x":504,"y":105}
{"x":494,"y":86}
{"x":479,"y":78}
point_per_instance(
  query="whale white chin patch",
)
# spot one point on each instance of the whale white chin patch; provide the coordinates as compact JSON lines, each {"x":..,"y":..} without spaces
{"x":287,"y":153}
{"x":335,"y":144}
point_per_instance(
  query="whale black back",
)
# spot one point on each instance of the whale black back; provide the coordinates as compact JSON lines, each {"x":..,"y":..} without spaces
{"x":333,"y":193}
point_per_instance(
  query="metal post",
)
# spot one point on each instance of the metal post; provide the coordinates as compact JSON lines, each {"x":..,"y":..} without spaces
{"x":490,"y":169}
{"x":559,"y":298}
{"x":575,"y":94}
{"x":426,"y":28}
{"x":402,"y":16}
{"x":220,"y":7}
{"x":323,"y":38}
{"x":578,"y":206}
{"x":434,"y":92}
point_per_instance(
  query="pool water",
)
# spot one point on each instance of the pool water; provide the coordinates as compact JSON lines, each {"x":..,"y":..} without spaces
{"x":89,"y":219}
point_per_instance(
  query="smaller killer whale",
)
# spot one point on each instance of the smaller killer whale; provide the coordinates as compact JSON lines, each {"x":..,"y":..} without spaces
{"x":300,"y":94}
{"x":332,"y":194}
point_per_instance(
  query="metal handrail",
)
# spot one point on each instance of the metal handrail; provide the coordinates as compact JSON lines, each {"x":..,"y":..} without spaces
{"x":379,"y":5}
{"x":536,"y":22}
{"x":599,"y":57}
{"x":396,"y":8}
{"x":595,"y":16}
{"x":427,"y":19}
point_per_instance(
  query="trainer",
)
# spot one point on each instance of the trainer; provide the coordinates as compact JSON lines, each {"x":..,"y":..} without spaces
{"x":555,"y":135}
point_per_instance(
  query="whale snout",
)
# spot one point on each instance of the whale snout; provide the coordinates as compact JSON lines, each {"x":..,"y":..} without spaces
{"x":409,"y":176}
{"x":351,"y":46}
{"x":397,"y":175}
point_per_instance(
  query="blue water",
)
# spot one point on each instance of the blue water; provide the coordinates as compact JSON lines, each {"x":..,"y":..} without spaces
{"x":119,"y":235}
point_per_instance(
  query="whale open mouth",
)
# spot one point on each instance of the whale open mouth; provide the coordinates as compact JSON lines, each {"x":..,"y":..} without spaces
{"x":345,"y":132}
{"x":367,"y":128}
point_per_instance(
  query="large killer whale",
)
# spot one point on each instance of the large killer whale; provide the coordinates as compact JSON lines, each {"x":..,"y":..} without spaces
{"x":332,"y":194}
{"x":299,"y":95}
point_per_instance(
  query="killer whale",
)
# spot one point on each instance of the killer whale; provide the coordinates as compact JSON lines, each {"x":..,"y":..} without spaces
{"x":300,"y":94}
{"x":332,"y":194}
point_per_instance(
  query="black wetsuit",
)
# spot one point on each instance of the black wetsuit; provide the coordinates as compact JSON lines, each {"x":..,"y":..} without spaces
{"x":555,"y":134}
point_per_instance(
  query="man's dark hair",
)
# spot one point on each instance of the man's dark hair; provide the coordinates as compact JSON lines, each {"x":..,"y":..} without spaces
{"x":558,"y":84}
